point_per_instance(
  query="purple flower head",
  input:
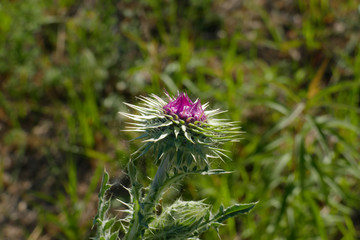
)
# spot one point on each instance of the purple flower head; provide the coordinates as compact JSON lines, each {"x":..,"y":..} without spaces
{"x":185,"y":109}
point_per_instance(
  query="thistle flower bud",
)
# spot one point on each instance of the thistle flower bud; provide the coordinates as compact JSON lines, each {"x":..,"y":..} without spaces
{"x":181,"y":122}
{"x":185,"y":109}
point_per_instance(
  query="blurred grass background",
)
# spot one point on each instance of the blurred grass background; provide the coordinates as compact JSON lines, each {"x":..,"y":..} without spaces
{"x":288,"y":70}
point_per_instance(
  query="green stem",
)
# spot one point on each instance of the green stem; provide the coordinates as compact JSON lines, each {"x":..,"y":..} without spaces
{"x":156,"y":186}
{"x":143,"y":213}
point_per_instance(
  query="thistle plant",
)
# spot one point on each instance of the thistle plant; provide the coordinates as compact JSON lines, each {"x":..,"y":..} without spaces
{"x":183,"y":137}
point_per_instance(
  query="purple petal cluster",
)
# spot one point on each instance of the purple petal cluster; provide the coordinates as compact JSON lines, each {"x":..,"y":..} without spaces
{"x":185,"y":109}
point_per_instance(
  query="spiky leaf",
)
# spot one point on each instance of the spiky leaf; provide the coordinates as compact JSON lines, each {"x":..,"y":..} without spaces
{"x":104,"y":223}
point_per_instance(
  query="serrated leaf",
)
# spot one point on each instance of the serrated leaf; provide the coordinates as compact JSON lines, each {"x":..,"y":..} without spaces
{"x":104,"y":182}
{"x":233,"y":211}
{"x":104,"y":224}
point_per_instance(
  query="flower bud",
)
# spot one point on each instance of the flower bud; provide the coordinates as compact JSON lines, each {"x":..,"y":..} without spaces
{"x":181,"y":129}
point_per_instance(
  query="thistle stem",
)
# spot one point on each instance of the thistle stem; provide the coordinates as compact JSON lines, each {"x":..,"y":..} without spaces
{"x":144,"y":211}
{"x":156,"y":185}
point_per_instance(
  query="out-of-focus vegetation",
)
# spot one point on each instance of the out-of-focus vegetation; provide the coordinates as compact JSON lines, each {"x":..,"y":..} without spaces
{"x":288,"y":70}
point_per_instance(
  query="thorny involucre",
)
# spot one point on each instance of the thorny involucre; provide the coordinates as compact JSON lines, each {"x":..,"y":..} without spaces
{"x":181,"y":129}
